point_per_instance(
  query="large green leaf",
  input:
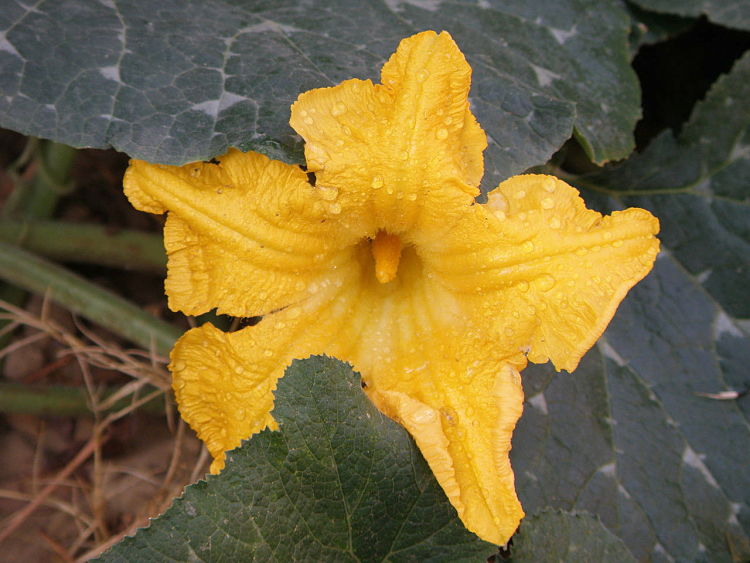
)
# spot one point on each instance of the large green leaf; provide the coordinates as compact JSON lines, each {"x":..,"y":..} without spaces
{"x":339,"y":482}
{"x":554,"y":535}
{"x":630,"y":436}
{"x":187,"y":80}
{"x":732,"y":13}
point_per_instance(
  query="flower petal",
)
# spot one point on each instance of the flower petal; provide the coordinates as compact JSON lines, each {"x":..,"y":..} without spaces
{"x":550,"y":271}
{"x":393,"y":148}
{"x":247,"y":235}
{"x":463,"y":430}
{"x":224,"y":382}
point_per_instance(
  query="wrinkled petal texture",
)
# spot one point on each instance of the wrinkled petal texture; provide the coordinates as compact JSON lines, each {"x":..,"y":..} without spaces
{"x":550,"y":272}
{"x":398,"y":149}
{"x":473,"y":292}
{"x":247,"y":235}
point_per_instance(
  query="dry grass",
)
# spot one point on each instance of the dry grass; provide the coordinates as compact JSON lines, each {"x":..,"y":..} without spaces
{"x":74,"y":486}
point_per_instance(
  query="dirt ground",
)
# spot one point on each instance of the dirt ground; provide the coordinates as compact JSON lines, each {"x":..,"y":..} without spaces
{"x":73,"y":483}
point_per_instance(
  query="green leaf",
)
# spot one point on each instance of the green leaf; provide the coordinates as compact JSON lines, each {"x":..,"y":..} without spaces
{"x":554,"y":535}
{"x":732,"y":13}
{"x":188,"y":80}
{"x":338,"y":482}
{"x":629,"y":436}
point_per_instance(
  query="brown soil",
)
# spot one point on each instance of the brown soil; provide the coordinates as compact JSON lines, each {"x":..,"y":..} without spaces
{"x":71,"y":485}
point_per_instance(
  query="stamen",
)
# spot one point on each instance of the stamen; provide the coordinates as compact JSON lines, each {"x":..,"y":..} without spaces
{"x":386,"y":249}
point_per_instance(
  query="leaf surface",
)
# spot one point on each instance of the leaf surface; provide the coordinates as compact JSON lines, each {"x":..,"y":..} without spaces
{"x":630,"y":436}
{"x":338,"y":482}
{"x":189,"y":80}
{"x":554,"y":535}
{"x":731,"y":13}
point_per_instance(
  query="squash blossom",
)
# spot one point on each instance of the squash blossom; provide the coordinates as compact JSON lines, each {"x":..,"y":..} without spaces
{"x":386,"y":261}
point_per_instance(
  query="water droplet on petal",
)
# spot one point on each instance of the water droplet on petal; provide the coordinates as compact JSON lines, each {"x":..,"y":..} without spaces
{"x":335,"y":208}
{"x":328,"y":194}
{"x":448,"y":120}
{"x":548,"y":203}
{"x":308,"y":120}
{"x":520,"y":194}
{"x":377,"y":182}
{"x":312,"y":288}
{"x":423,"y":416}
{"x":527,"y":246}
{"x":618,"y":244}
{"x":554,"y":223}
{"x":548,"y":185}
{"x":441,"y":133}
{"x":347,"y":130}
{"x":411,"y":197}
{"x":239,"y":370}
{"x":404,"y":155}
{"x":179,"y":365}
{"x":268,"y":352}
{"x":338,"y":108}
{"x":497,"y":203}
{"x":422,"y":75}
{"x":607,"y":235}
{"x":546,"y":282}
{"x":523,"y":286}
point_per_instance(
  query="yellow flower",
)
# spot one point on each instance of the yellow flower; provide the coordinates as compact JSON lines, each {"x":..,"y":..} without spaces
{"x":388,"y":263}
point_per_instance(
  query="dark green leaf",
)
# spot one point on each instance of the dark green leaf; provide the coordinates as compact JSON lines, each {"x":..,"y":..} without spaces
{"x":732,"y":13}
{"x":629,"y":436}
{"x":554,"y":535}
{"x":190,"y":79}
{"x":339,"y":482}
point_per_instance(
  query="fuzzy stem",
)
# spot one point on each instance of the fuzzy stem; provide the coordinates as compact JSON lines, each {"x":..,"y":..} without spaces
{"x":82,"y":297}
{"x":87,"y":243}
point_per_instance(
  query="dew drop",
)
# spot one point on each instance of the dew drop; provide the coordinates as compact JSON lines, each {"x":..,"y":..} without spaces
{"x":335,"y":208}
{"x":554,"y":223}
{"x":337,"y":109}
{"x":607,"y":235}
{"x":441,"y":133}
{"x":527,"y":246}
{"x":497,"y":203}
{"x":548,"y":203}
{"x":404,"y":155}
{"x":294,"y":313}
{"x":520,"y":194}
{"x":423,"y":416}
{"x":312,"y":288}
{"x":422,"y":75}
{"x":328,"y":194}
{"x":548,"y":185}
{"x":179,"y":366}
{"x":523,"y":286}
{"x":411,"y":197}
{"x":377,"y":182}
{"x":546,"y":282}
{"x":347,"y":130}
{"x":268,"y":352}
{"x":308,"y":120}
{"x":239,"y":370}
{"x":617,"y":244}
{"x":448,"y":120}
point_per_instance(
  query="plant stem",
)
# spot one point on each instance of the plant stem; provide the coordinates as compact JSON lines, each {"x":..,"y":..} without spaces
{"x":51,"y":181}
{"x":80,"y":296}
{"x":79,"y":242}
{"x":59,"y":400}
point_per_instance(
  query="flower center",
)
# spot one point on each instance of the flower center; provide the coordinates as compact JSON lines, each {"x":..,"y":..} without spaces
{"x":386,"y":249}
